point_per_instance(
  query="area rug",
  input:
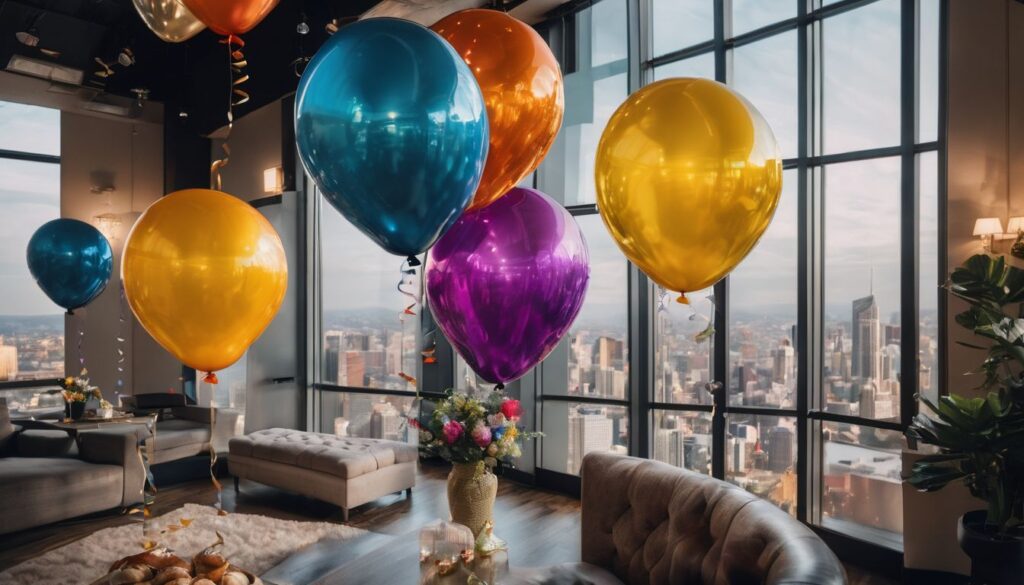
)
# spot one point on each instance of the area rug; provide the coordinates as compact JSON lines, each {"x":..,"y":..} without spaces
{"x":253,"y":542}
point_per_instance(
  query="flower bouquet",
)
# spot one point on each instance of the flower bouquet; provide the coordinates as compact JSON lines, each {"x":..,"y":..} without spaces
{"x":76,"y":392}
{"x":477,"y":436}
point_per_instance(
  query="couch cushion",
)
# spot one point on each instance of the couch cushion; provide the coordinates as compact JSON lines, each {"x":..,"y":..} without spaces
{"x":35,"y":491}
{"x":45,"y":443}
{"x":172,"y":433}
{"x":346,"y":457}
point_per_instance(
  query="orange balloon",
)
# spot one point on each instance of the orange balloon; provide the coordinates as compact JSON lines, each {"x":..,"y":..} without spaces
{"x":522,"y":87}
{"x":230,"y":17}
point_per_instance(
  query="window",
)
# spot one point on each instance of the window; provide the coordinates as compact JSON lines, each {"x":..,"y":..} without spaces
{"x":854,"y":245}
{"x":369,"y":334}
{"x":585,"y":383}
{"x":31,"y":326}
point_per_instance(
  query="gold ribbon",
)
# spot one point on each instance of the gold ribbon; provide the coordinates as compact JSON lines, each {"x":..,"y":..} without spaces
{"x":236,"y":97}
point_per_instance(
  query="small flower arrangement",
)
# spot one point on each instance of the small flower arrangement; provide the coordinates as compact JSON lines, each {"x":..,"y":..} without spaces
{"x":466,"y":429}
{"x":79,"y":389}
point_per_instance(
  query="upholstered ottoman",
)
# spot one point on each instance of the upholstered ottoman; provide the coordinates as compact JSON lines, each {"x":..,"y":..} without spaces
{"x":345,"y":471}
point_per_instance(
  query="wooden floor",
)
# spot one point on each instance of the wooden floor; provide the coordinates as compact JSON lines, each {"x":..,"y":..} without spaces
{"x":543,"y":527}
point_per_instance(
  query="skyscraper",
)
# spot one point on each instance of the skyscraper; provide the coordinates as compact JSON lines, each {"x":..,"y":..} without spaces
{"x":780,"y":449}
{"x":589,"y":430}
{"x":8,"y":362}
{"x":782,"y":362}
{"x":867,"y":339}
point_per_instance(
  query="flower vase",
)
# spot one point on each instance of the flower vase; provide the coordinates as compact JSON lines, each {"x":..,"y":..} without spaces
{"x":471,"y":493}
{"x":76,"y":410}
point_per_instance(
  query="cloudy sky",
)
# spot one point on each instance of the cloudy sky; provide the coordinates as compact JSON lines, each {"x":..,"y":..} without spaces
{"x":861,"y":110}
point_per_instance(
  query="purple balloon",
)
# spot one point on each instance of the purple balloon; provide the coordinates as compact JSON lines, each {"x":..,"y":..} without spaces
{"x":506,"y":282}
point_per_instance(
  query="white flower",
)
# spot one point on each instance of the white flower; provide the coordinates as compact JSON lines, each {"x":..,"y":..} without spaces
{"x":496,"y":420}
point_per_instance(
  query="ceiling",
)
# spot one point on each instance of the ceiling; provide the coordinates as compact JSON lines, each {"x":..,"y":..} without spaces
{"x":192,"y":78}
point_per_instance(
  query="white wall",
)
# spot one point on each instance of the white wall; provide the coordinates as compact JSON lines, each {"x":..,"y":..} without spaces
{"x":130,"y":154}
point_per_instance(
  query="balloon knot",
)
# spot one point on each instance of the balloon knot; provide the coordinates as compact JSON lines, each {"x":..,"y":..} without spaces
{"x":210,"y":378}
{"x":499,"y":387}
{"x":682,"y":300}
{"x":413,"y":261}
{"x":70,"y":313}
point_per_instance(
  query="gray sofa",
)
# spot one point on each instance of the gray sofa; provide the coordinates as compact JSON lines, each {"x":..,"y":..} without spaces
{"x":184,"y":430}
{"x":48,"y":476}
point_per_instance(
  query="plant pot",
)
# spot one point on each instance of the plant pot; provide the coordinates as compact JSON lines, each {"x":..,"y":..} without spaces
{"x":471,"y":493}
{"x":995,"y":560}
{"x":76,"y":410}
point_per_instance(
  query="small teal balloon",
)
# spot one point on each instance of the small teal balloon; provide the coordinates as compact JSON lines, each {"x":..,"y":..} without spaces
{"x":71,"y":261}
{"x":391,"y":125}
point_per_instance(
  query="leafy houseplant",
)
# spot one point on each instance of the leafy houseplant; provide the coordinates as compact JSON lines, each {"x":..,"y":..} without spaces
{"x":477,"y":436}
{"x":981,"y":440}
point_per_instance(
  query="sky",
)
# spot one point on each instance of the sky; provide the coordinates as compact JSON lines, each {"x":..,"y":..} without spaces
{"x":30,"y":196}
{"x":861,"y":200}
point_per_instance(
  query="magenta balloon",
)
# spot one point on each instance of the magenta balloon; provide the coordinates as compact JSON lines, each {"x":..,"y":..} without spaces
{"x":506,"y":282}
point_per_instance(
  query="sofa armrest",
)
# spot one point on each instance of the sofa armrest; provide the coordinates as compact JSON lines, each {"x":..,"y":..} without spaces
{"x":199,"y":414}
{"x":117,"y":447}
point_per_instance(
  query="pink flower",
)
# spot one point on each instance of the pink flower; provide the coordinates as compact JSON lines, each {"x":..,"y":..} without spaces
{"x":511,"y":409}
{"x":482,"y":435}
{"x":496,"y":420}
{"x":452,"y":431}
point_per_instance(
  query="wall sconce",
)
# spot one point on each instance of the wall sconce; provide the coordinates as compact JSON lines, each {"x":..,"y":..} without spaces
{"x":988,"y":228}
{"x":108,"y":224}
{"x":273,"y":180}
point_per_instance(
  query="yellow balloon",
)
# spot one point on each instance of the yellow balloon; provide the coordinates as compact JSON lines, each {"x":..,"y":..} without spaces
{"x":205,"y":274}
{"x":688,"y":178}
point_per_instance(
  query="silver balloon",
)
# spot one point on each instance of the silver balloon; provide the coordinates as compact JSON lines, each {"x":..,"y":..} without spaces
{"x":169,"y":19}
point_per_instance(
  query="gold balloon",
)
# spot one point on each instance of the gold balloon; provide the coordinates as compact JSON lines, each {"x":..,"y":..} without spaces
{"x":205,"y":274}
{"x":688,"y":178}
{"x":169,"y":19}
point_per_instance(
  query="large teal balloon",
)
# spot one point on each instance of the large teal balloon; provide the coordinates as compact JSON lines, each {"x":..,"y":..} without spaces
{"x":391,"y":125}
{"x":71,"y":261}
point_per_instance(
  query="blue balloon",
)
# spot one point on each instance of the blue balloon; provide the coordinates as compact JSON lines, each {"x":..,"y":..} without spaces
{"x":391,"y":125}
{"x":71,"y":261}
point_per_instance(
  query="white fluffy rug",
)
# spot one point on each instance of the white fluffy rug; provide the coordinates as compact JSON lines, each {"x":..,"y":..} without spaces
{"x":255,"y":543}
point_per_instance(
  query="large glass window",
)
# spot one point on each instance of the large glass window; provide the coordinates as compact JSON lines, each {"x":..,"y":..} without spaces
{"x":369,"y":339}
{"x":31,"y":326}
{"x":827,"y":285}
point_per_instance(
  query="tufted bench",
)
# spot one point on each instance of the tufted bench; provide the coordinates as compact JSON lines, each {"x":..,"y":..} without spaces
{"x":345,"y":471}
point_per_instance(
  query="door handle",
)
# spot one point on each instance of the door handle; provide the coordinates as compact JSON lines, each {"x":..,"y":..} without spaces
{"x":284,"y":380}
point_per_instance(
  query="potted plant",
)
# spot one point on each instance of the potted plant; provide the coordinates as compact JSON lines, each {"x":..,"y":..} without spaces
{"x":77,"y":391}
{"x":981,"y":440}
{"x":478,"y":437}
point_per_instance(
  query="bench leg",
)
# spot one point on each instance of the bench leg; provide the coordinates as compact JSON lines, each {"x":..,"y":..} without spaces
{"x":344,"y":514}
{"x":236,"y":484}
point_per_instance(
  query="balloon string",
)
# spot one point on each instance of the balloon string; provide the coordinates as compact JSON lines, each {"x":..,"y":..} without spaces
{"x":407,"y":286}
{"x":121,"y":336}
{"x":81,"y":356}
{"x":236,"y":97}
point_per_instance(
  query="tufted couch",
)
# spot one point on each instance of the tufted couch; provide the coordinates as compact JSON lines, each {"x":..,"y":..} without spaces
{"x":345,"y":471}
{"x":648,"y":522}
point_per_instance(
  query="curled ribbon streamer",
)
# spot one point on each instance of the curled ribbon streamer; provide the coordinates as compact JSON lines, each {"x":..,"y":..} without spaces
{"x":236,"y":97}
{"x":406,"y":284}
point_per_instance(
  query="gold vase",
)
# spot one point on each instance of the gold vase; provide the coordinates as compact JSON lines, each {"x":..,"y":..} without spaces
{"x":471,"y":492}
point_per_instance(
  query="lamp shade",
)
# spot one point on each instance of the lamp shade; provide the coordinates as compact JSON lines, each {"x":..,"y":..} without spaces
{"x":988,"y":226}
{"x":1015,"y":225}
